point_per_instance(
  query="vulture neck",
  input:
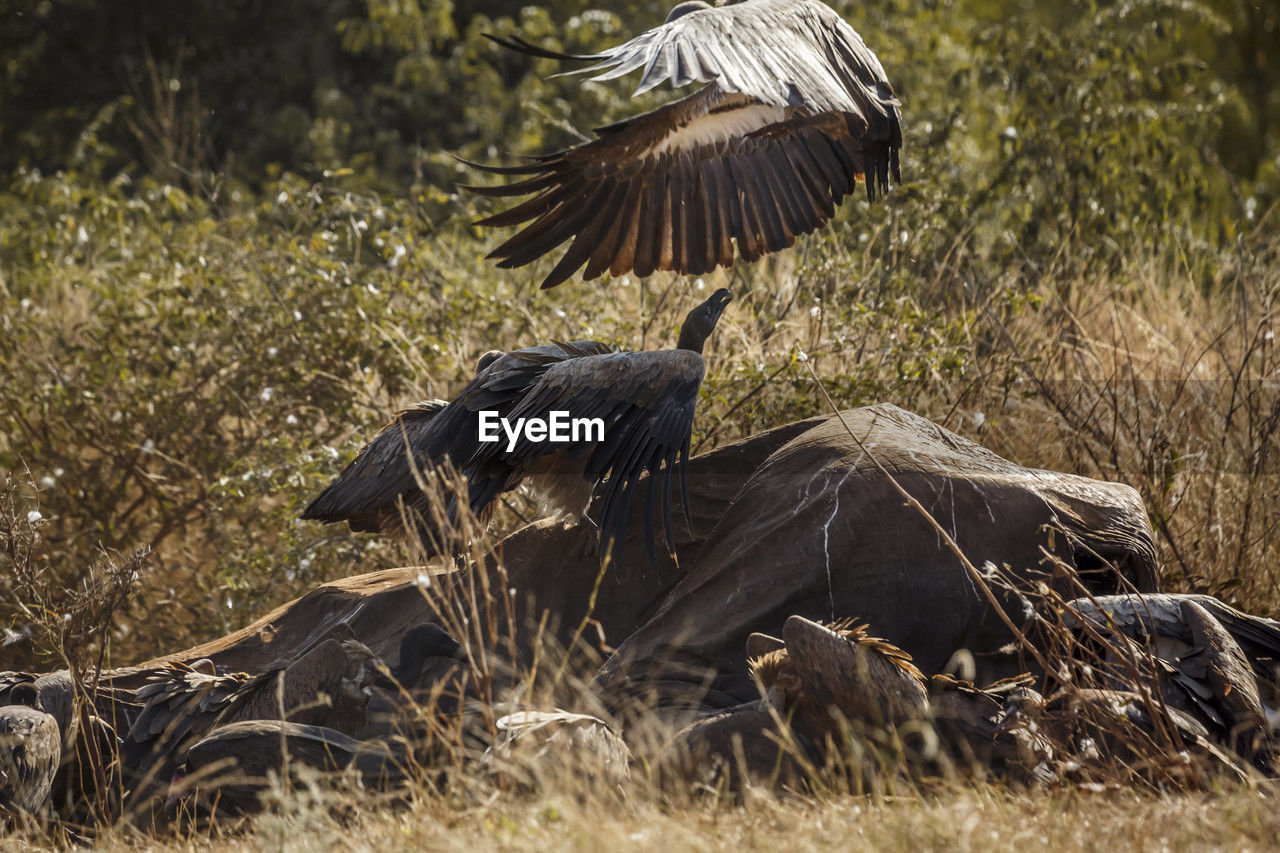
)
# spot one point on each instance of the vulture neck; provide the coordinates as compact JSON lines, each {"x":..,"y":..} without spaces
{"x":691,"y":338}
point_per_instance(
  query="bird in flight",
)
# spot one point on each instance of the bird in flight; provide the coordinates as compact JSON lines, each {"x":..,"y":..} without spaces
{"x":795,"y":111}
{"x":645,"y":401}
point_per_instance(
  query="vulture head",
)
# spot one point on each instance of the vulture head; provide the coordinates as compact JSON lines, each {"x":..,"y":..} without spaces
{"x":487,"y":359}
{"x":25,"y":694}
{"x":685,"y":8}
{"x":420,"y":644}
{"x":701,"y":321}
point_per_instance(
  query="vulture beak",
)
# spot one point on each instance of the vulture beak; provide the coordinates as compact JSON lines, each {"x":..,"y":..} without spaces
{"x":720,"y":300}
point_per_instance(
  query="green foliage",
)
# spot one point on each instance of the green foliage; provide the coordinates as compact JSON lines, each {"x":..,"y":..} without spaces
{"x":231,"y":242}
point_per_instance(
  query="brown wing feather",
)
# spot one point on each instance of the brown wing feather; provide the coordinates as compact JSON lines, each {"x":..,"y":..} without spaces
{"x":695,"y":176}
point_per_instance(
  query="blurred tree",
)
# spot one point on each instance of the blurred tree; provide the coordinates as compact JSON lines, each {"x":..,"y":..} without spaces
{"x":250,"y":87}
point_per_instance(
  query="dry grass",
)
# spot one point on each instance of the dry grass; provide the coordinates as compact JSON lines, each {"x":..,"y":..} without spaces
{"x":962,"y":819}
{"x":1156,"y":374}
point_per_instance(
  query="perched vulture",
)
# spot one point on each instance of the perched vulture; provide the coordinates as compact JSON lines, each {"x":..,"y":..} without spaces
{"x":381,"y":468}
{"x":644,"y":400}
{"x":381,"y":489}
{"x":796,"y":110}
{"x":30,"y":749}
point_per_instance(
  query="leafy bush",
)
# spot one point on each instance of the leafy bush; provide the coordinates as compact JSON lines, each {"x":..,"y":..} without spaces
{"x":231,"y":245}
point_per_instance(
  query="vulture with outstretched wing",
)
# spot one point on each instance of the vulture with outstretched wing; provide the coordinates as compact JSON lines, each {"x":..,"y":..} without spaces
{"x":382,"y":487}
{"x":645,"y":402}
{"x":796,"y":110}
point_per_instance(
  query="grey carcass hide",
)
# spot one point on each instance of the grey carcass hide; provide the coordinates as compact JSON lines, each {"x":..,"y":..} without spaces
{"x":819,"y":530}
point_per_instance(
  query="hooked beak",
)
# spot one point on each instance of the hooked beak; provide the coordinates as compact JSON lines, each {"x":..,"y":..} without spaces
{"x":722,"y":299}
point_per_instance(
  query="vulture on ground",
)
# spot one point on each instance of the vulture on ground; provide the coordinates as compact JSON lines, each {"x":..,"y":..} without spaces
{"x":645,"y":400}
{"x":968,"y":721}
{"x":1099,"y":731}
{"x":533,"y":746}
{"x":88,"y":741}
{"x":56,"y":691}
{"x":419,"y":644}
{"x":1210,"y":660}
{"x":431,"y":672}
{"x":796,"y":110}
{"x":30,"y":749}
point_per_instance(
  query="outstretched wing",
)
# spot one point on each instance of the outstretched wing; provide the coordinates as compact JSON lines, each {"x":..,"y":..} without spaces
{"x":797,"y":111}
{"x":382,"y":482}
{"x":646,"y":401}
{"x":675,"y":189}
{"x":360,"y":494}
{"x":779,"y":52}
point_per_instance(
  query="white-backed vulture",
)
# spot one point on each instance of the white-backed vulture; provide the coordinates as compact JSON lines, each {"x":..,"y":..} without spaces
{"x":645,"y":401}
{"x":796,"y":110}
{"x":30,"y":749}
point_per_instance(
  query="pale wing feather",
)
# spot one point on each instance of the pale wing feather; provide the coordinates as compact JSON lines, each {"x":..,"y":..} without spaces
{"x":782,"y":52}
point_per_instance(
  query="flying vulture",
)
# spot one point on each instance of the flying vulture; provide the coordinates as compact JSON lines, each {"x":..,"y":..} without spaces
{"x":796,"y":110}
{"x":645,"y":401}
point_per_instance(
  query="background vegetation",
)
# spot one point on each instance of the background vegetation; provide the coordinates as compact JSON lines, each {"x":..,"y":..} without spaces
{"x":231,"y":245}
